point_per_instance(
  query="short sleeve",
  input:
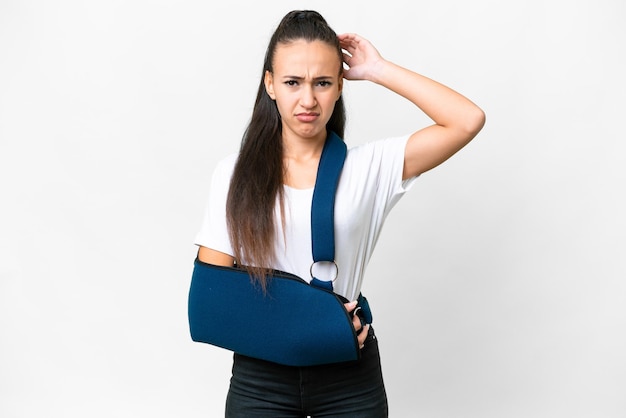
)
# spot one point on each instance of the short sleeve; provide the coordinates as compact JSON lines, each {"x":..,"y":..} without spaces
{"x":379,"y":166}
{"x":213,"y":231}
{"x":393,"y":150}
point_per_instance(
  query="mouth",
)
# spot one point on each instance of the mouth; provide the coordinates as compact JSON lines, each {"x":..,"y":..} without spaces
{"x":307,"y":116}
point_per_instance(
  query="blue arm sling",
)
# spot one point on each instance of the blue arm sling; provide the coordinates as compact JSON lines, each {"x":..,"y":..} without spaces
{"x":293,"y":322}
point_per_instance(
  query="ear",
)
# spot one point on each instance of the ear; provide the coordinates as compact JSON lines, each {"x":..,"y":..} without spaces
{"x":339,"y":87}
{"x":268,"y":80}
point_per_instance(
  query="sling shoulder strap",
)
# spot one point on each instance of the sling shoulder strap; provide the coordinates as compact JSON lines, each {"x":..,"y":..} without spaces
{"x":323,"y":205}
{"x":323,"y":215}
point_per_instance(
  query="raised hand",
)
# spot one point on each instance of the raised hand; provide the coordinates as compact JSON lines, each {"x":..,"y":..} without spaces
{"x":362,"y":59}
{"x":457,"y":119}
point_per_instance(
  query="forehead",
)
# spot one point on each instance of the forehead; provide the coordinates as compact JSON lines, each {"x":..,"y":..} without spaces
{"x":300,"y":56}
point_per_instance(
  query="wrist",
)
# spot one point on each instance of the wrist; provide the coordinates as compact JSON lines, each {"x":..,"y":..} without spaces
{"x":379,"y":71}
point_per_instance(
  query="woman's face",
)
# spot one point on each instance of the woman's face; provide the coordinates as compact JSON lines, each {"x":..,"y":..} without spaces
{"x":305,"y":84}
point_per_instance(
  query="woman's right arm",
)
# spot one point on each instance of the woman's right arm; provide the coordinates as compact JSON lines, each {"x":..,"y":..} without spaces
{"x":209,"y":256}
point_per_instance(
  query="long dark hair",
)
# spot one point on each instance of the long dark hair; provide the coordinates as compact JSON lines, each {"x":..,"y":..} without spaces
{"x":258,"y":175}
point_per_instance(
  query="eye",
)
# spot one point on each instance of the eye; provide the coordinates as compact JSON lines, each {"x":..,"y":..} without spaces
{"x":291,"y":83}
{"x":324,"y":83}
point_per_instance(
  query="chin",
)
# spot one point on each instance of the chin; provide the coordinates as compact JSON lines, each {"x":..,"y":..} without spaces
{"x":312,"y":132}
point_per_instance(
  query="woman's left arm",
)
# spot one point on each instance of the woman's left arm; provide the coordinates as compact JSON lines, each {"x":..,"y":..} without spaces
{"x":457,"y":119}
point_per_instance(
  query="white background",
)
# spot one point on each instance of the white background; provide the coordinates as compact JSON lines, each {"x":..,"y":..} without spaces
{"x":498,"y":286}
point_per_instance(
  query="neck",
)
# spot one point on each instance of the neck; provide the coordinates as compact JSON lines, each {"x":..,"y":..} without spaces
{"x":298,"y":148}
{"x":301,"y":158}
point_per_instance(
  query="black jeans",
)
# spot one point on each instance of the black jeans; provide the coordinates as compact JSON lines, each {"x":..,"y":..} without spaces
{"x":352,"y":389}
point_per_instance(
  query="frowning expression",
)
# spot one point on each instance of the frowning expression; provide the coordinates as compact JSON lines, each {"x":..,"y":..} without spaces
{"x":305,"y":82}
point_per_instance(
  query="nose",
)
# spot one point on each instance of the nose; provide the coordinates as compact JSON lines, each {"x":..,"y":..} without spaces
{"x":307,"y":98}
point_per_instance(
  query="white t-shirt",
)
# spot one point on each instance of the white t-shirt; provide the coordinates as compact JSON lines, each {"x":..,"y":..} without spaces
{"x":370,"y":185}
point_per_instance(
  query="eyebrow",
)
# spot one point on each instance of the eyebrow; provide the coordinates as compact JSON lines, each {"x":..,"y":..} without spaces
{"x":295,"y":77}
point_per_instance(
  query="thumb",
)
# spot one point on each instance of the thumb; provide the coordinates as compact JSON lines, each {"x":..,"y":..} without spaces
{"x":350,"y":305}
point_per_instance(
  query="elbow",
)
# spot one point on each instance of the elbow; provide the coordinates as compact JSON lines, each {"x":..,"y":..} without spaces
{"x":476,"y":121}
{"x":473,"y":122}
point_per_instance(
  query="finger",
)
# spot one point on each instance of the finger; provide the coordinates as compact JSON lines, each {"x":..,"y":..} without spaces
{"x":348,"y":41}
{"x":350,"y":305}
{"x":357,"y":324}
{"x":350,"y":45}
{"x":348,"y":74}
{"x":346,"y":36}
{"x":347,"y":59}
{"x":349,"y":49}
{"x":363,"y":336}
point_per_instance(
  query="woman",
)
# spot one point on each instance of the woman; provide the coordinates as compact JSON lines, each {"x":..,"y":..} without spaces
{"x":259,"y":208}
